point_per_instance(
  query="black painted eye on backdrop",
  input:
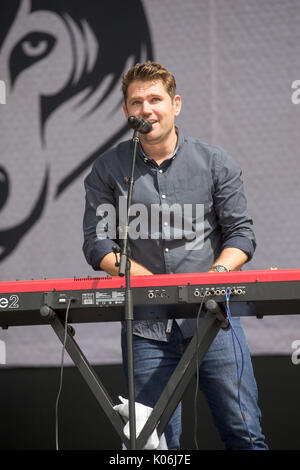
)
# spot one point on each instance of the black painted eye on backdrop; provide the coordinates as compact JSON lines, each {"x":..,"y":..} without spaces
{"x":29,"y":50}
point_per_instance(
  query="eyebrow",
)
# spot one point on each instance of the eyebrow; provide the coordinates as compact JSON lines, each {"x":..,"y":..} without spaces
{"x":152,"y":95}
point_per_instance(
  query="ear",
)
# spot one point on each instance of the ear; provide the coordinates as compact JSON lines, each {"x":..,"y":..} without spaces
{"x":125,"y":111}
{"x":177,"y":104}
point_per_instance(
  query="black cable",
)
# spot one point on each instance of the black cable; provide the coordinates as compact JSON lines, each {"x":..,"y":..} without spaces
{"x":61,"y":374}
{"x":239,"y":375}
{"x":197,"y":375}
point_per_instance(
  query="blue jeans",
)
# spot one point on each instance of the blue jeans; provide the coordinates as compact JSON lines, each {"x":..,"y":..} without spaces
{"x":155,"y":361}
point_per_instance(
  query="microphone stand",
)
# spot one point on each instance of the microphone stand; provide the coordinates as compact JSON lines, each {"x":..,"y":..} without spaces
{"x":124,"y":269}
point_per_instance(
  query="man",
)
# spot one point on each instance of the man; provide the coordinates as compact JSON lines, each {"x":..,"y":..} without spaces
{"x":181,"y":172}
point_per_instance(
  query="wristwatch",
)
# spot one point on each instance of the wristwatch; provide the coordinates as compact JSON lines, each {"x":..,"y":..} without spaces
{"x":219,"y":268}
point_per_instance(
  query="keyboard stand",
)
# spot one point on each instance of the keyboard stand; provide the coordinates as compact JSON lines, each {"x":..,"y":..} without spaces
{"x":208,"y":327}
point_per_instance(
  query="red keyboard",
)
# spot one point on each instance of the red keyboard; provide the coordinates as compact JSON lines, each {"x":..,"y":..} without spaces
{"x":268,"y":292}
{"x":156,"y":280}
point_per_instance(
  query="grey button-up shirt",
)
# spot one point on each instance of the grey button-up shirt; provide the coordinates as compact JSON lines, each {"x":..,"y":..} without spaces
{"x":185,"y":211}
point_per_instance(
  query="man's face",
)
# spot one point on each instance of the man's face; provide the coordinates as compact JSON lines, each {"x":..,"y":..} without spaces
{"x":150,"y":100}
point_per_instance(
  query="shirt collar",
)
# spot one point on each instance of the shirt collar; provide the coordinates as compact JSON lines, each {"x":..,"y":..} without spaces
{"x":169,"y":159}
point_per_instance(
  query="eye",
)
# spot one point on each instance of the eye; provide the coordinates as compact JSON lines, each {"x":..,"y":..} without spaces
{"x":30,"y":49}
{"x":34,"y":49}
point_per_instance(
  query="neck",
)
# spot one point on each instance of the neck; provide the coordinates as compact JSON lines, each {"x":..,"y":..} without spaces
{"x":157,"y":150}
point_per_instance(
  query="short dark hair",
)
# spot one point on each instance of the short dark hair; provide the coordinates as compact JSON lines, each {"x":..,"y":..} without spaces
{"x":149,"y":71}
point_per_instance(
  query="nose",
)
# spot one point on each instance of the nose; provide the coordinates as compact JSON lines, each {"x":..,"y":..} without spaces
{"x":4,"y":186}
{"x":146,"y":109}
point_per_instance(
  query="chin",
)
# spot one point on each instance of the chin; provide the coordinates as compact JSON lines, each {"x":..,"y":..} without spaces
{"x":148,"y":137}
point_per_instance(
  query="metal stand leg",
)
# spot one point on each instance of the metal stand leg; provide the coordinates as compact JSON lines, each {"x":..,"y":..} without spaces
{"x":208,"y":328}
{"x":90,"y":378}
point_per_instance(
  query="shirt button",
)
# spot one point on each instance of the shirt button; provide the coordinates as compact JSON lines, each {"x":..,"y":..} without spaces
{"x":160,"y":171}
{"x":163,"y":196}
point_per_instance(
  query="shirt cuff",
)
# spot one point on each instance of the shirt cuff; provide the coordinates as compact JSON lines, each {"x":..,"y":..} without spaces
{"x":101,"y":248}
{"x":243,"y":243}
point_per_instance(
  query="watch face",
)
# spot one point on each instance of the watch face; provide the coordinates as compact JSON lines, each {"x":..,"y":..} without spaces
{"x":220,"y":268}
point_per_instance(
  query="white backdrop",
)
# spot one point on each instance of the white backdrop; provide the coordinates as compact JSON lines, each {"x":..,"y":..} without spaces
{"x":234,"y":61}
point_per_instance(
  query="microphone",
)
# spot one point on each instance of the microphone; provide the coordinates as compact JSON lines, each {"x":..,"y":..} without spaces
{"x":138,"y":124}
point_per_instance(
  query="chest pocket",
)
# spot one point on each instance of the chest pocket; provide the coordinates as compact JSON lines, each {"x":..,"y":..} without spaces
{"x":193,"y":190}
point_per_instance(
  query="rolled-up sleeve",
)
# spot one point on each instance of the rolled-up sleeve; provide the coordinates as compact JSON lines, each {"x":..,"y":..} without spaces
{"x":231,"y":206}
{"x":98,"y":193}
